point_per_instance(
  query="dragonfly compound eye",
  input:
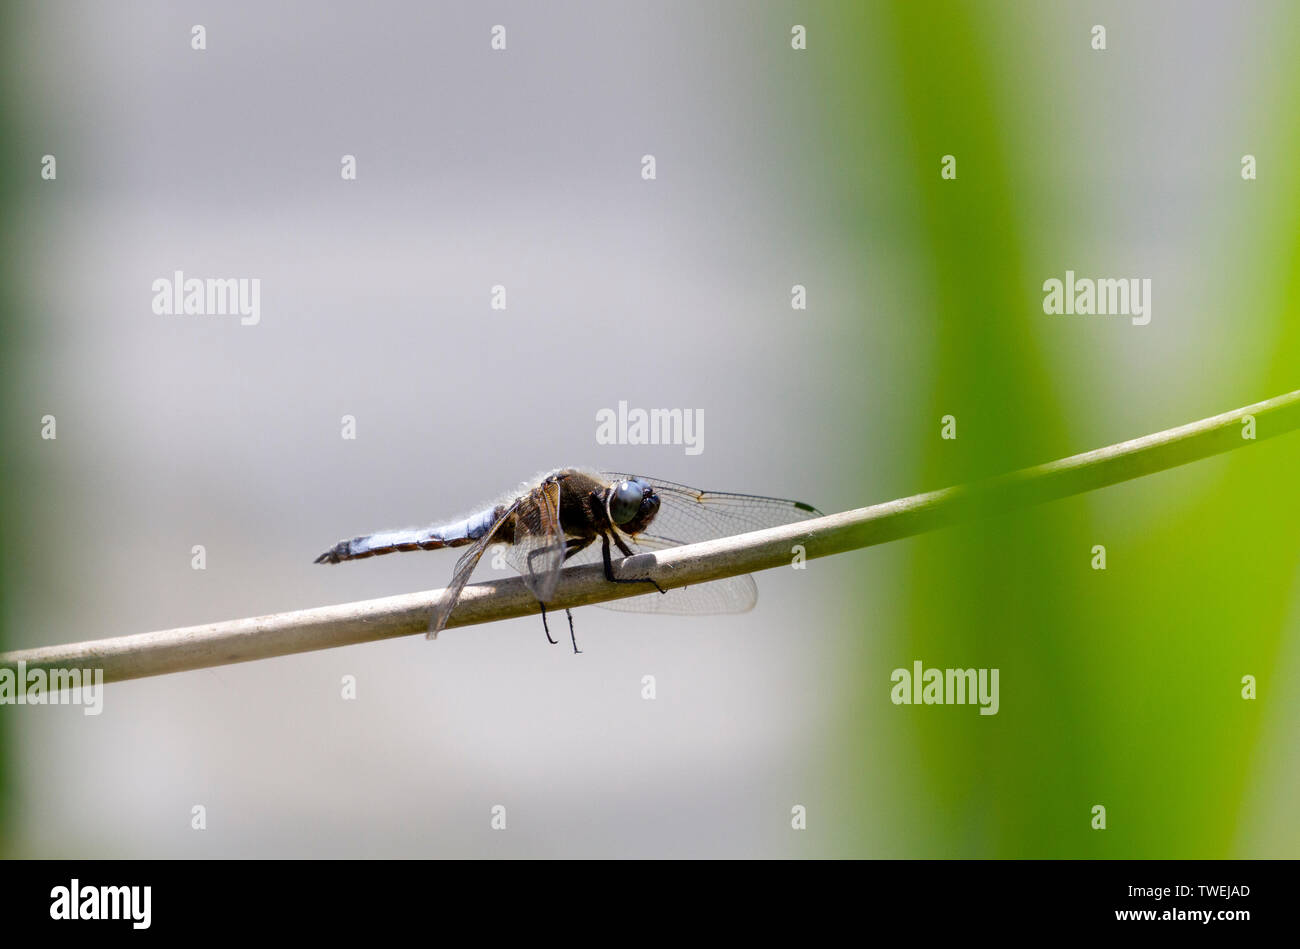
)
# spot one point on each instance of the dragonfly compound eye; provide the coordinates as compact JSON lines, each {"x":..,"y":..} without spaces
{"x":625,"y":502}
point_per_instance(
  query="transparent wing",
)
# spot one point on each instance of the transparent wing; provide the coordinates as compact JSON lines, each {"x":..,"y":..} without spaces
{"x":461,"y":574}
{"x":732,"y":595}
{"x":538,"y":548}
{"x":687,"y":516}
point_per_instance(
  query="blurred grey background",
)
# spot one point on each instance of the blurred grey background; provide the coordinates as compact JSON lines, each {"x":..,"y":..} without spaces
{"x":475,"y":168}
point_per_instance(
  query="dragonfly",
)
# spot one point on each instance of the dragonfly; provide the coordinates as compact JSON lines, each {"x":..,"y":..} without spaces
{"x":576,"y":515}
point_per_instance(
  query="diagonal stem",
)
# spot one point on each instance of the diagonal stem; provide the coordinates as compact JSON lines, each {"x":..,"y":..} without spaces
{"x":242,"y":640}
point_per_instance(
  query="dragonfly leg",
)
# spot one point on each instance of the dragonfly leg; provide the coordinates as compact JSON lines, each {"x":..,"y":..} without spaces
{"x":577,"y":545}
{"x":572,"y":638}
{"x":573,"y":546}
{"x":609,"y":566}
{"x":546,"y":629}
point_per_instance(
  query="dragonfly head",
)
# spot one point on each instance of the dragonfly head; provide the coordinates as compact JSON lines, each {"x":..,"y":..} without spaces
{"x":631,"y":505}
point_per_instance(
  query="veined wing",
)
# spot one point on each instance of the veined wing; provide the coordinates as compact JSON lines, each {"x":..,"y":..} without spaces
{"x":460,"y":575}
{"x":686,"y":516}
{"x":731,"y":595}
{"x":538,"y":548}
